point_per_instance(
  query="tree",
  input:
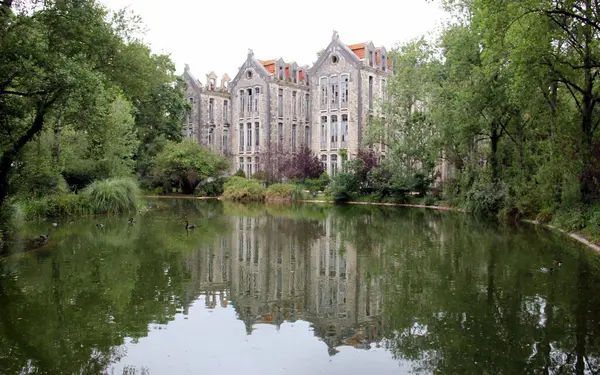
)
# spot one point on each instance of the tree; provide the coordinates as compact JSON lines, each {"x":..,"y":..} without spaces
{"x":303,"y":165}
{"x":186,"y":164}
{"x":61,"y":63}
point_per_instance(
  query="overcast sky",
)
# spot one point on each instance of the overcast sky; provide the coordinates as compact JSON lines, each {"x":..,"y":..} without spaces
{"x":215,"y":35}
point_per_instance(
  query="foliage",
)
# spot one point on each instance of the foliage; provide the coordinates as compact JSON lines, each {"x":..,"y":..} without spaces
{"x":240,"y":173}
{"x":94,"y":92}
{"x":212,"y":188}
{"x":111,"y":196}
{"x":282,"y":192}
{"x":184,"y":165}
{"x":317,"y":184}
{"x":243,"y":189}
{"x":302,"y":165}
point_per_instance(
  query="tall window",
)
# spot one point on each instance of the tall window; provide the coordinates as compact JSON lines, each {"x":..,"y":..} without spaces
{"x":249,"y":103}
{"x":307,"y":136}
{"x":256,"y":100}
{"x":370,"y":92}
{"x":344,"y":130}
{"x":280,"y":136}
{"x":345,"y":78}
{"x":225,"y":112}
{"x":323,"y":84}
{"x":256,"y":136}
{"x":241,"y":166}
{"x":334,"y":92}
{"x":294,"y":137}
{"x":280,"y":103}
{"x":334,"y":165}
{"x":323,"y":132}
{"x":241,"y":139}
{"x":324,"y":161}
{"x":302,"y":109}
{"x":241,"y":111}
{"x":225,"y":141}
{"x":371,"y":58}
{"x":384,"y":62}
{"x":211,"y":110}
{"x":248,"y":167}
{"x":334,"y":131}
{"x":307,"y":106}
{"x":249,"y":137}
{"x":256,"y":163}
{"x":211,"y":139}
{"x":294,"y":104}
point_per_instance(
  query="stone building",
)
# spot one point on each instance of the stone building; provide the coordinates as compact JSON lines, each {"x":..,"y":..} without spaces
{"x":273,"y":107}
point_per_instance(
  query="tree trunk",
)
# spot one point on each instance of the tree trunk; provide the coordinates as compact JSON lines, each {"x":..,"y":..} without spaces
{"x":494,"y":140}
{"x":9,"y":157}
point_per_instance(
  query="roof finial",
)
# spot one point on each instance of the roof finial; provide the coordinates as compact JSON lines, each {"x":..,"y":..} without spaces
{"x":250,"y":52}
{"x":335,"y":36}
{"x":186,"y":67}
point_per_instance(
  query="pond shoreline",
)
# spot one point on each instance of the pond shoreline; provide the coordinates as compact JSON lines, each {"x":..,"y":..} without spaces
{"x":577,"y":237}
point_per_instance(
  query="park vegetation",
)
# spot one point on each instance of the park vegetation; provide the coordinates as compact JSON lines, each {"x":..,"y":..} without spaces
{"x":503,"y":101}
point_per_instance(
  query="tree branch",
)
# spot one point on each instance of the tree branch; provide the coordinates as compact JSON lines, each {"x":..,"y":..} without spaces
{"x":26,"y":94}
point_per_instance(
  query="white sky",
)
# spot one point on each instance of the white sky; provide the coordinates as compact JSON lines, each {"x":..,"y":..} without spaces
{"x":216,"y":35}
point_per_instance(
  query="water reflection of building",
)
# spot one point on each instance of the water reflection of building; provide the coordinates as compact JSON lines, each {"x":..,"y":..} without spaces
{"x":276,"y":269}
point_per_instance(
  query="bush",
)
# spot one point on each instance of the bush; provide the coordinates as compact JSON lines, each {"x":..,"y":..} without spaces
{"x":429,"y":200}
{"x":184,"y":165}
{"x":56,"y":206}
{"x":317,"y":184}
{"x":212,"y":188}
{"x":345,"y":187}
{"x":283,"y":192}
{"x":240,"y":173}
{"x":242,"y":189}
{"x":486,"y":200}
{"x":115,"y":195}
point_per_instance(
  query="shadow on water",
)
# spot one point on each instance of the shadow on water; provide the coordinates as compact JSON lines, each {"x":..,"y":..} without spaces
{"x":439,"y":291}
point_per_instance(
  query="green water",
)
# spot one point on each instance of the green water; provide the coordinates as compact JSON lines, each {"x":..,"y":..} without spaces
{"x":297,"y":290}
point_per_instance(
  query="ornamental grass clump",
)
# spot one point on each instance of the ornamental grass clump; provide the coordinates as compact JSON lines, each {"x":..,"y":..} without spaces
{"x":112,"y":196}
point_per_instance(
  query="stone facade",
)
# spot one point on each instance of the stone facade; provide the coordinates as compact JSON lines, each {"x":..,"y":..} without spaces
{"x":271,"y":108}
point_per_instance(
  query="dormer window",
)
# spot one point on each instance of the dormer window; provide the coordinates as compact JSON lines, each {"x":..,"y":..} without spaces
{"x":371,"y":58}
{"x":281,"y":72}
{"x":211,"y":84}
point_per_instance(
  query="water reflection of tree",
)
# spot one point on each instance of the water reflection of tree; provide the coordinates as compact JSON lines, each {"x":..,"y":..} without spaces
{"x":68,"y":312}
{"x":463,"y":298}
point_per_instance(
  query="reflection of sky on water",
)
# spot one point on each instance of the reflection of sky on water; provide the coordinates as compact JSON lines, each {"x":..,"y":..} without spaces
{"x":210,"y":341}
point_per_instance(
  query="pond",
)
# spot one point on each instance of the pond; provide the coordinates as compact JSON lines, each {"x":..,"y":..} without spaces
{"x":260,"y":289}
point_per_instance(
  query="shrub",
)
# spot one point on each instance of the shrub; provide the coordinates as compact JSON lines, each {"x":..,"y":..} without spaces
{"x":242,"y":189}
{"x":240,"y":173}
{"x":115,"y":195}
{"x":317,"y":184}
{"x":486,"y":200}
{"x":212,"y":188}
{"x":345,"y":187}
{"x":56,"y":206}
{"x":184,"y":165}
{"x":282,"y":192}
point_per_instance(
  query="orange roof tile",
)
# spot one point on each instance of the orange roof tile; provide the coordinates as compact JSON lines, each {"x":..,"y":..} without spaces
{"x":356,"y":46}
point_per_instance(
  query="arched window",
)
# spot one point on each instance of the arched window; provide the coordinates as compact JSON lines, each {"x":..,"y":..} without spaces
{"x":334,"y":165}
{"x":324,"y":161}
{"x":344,"y":131}
{"x":225,"y":141}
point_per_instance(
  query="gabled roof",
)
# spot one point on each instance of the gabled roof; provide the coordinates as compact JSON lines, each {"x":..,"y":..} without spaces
{"x":251,"y":62}
{"x":190,"y":79}
{"x":341,"y":48}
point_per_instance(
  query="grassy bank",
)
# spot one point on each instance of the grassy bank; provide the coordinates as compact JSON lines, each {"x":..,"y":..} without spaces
{"x":111,"y":196}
